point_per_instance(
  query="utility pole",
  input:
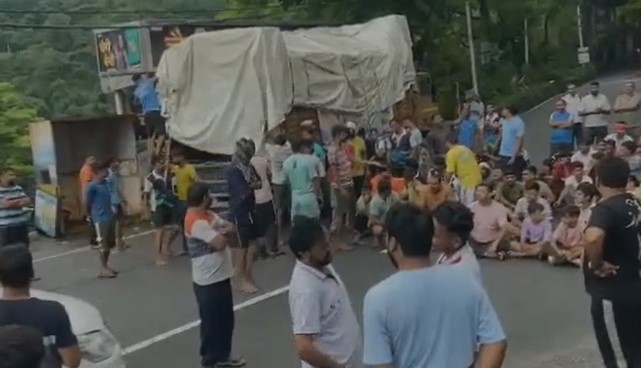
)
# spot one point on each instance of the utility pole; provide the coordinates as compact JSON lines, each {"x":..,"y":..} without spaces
{"x":526,"y":42}
{"x":579,"y":25}
{"x":470,"y":36}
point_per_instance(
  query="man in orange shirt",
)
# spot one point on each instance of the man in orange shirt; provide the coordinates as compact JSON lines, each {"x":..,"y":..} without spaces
{"x":437,"y":191}
{"x":86,"y":176}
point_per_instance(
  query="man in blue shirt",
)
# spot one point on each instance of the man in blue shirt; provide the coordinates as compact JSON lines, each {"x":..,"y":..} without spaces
{"x":561,"y":137}
{"x":425,"y":315}
{"x":145,"y":95}
{"x":512,"y":141}
{"x":101,"y":214}
{"x":117,"y":200}
{"x":468,"y":130}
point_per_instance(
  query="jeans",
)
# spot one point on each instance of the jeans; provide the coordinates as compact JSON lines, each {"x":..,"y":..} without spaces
{"x":216,"y":310}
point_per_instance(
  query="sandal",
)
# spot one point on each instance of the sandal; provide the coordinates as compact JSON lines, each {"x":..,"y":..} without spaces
{"x":104,"y":276}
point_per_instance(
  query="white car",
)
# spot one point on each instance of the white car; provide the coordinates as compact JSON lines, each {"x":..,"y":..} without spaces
{"x":99,"y":347}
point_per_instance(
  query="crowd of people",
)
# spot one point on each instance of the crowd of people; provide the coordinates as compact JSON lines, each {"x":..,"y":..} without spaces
{"x":433,"y":202}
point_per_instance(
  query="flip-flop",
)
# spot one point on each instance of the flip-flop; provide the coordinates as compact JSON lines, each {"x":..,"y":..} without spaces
{"x":102,"y":276}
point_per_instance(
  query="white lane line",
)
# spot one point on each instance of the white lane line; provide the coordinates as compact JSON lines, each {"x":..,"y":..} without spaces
{"x":184,"y":328}
{"x":86,"y":248}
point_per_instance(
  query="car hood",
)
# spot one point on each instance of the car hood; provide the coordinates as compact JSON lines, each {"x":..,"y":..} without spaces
{"x":84,"y":316}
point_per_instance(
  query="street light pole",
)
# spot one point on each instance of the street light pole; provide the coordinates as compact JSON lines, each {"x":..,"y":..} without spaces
{"x":579,"y":25}
{"x":526,"y":42}
{"x":470,"y":37}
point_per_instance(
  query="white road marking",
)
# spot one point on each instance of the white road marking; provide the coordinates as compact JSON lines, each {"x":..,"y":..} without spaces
{"x":184,"y":328}
{"x":86,"y":248}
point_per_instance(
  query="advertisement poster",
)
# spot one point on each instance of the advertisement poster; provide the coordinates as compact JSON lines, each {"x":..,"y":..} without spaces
{"x":46,"y":213}
{"x":119,"y":51}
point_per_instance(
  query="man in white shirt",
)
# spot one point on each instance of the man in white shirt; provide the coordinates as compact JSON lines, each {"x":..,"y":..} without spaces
{"x":584,"y":156}
{"x":574,"y":105}
{"x":325,"y":327}
{"x":596,"y":109}
{"x":627,"y":106}
{"x":619,"y":136}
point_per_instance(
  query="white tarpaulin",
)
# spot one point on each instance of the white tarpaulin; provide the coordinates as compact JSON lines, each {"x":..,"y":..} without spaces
{"x":361,"y":69}
{"x":225,"y":85}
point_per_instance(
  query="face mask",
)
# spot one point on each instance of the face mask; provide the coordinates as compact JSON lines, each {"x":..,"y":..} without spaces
{"x":595,"y":93}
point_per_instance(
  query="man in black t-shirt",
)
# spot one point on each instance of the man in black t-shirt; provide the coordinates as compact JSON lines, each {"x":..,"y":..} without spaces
{"x":50,"y":318}
{"x":612,"y":268}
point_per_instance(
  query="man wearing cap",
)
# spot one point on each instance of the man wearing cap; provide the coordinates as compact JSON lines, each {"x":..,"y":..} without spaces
{"x":619,"y":136}
{"x":574,"y":105}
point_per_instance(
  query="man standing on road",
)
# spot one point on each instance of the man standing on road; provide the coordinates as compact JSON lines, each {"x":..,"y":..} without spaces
{"x":301,"y":174}
{"x":596,"y":108}
{"x":574,"y":105}
{"x":117,"y":201}
{"x":101,"y":215}
{"x":340,"y":177}
{"x":561,"y":136}
{"x":86,"y":176}
{"x":512,"y":141}
{"x":326,"y":331}
{"x":14,"y":220}
{"x":50,"y":318}
{"x":161,"y":205}
{"x":185,"y":176}
{"x":242,"y":181}
{"x":207,"y":242}
{"x":628,"y":105}
{"x":612,"y":267}
{"x":427,"y":315}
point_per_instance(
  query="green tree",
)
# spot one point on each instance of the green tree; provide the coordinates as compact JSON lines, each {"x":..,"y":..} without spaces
{"x":16,"y":112}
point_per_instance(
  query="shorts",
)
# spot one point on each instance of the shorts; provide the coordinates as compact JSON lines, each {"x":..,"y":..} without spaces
{"x":264,"y":218}
{"x":155,"y":124}
{"x":163,"y":217}
{"x":345,"y":206}
{"x":106,"y":235}
{"x":305,"y":205}
{"x":118,"y":211}
{"x":247,"y":234}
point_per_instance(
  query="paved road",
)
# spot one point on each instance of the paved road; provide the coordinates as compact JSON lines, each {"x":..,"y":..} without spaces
{"x":152,"y":310}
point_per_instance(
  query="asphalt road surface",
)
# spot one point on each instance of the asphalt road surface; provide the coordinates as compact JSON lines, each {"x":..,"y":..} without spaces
{"x":152,"y":310}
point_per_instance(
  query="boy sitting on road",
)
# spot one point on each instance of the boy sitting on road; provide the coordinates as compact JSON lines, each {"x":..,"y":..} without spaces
{"x":361,"y":220}
{"x":531,"y":195}
{"x":536,"y":234}
{"x":566,"y":240}
{"x":379,"y":205}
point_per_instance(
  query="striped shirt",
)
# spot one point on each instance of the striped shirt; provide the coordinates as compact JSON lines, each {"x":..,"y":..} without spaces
{"x":340,"y":164}
{"x":12,"y":216}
